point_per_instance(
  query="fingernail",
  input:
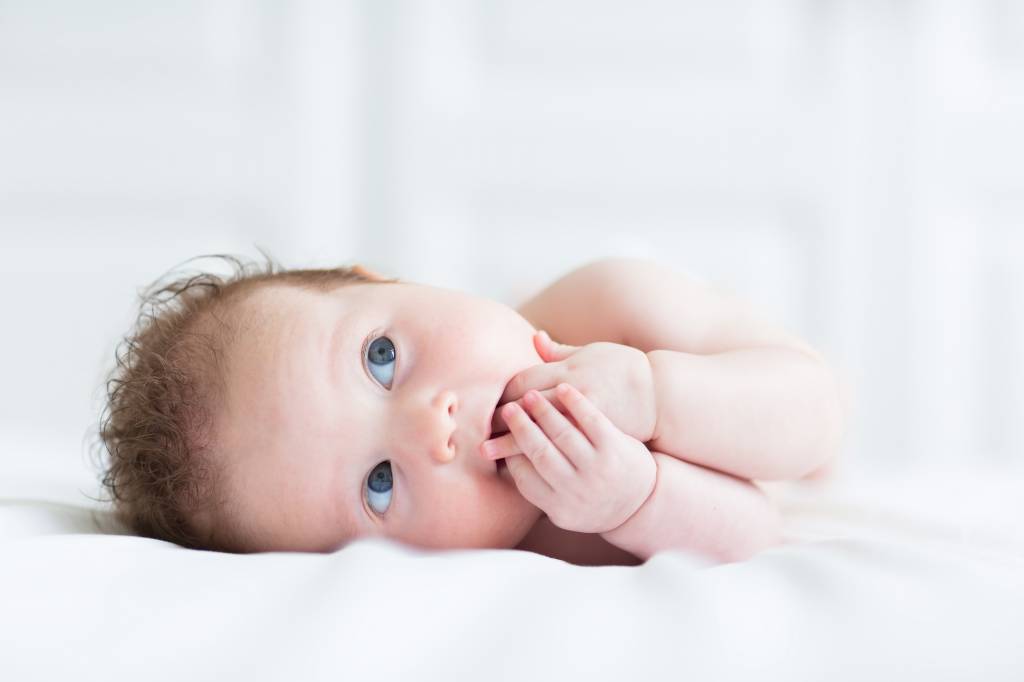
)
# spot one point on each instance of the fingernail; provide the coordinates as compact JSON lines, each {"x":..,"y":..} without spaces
{"x":530,"y":398}
{"x":487,"y":448}
{"x":509,"y":410}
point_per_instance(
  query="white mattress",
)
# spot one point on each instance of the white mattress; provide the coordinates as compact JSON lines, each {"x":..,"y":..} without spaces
{"x":899,"y":578}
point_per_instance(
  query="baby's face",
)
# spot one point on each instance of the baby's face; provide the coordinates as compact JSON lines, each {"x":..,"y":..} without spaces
{"x":359,"y":412}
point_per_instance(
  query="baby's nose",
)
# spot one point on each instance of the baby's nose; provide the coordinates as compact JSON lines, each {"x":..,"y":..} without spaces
{"x":442,"y":426}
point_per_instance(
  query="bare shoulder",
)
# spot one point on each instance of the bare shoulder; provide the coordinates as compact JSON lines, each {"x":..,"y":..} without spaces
{"x":649,"y":305}
{"x":565,"y":308}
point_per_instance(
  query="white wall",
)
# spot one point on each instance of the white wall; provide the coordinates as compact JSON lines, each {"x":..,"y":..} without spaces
{"x":853,"y":167}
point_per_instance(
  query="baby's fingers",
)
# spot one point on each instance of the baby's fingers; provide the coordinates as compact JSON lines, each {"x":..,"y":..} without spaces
{"x":498,"y":424}
{"x":546,"y":458}
{"x":502,"y":446}
{"x":592,"y":422}
{"x":530,"y":484}
{"x":537,"y":377}
{"x":560,"y":430}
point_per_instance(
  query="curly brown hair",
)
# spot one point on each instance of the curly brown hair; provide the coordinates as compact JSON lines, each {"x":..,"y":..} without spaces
{"x":156,"y":427}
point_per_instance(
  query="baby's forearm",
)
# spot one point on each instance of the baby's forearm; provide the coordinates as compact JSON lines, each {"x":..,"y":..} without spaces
{"x":699,"y":510}
{"x":758,"y":413}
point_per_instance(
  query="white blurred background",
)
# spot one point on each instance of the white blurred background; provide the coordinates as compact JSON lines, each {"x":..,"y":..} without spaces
{"x":854,"y":167}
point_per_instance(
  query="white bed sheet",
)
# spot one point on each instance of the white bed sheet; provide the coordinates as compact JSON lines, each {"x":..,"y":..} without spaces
{"x":880,"y":579}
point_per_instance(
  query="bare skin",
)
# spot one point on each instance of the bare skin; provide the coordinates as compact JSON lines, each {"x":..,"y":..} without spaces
{"x":325,"y":391}
{"x":737,"y":399}
{"x":301,"y":435}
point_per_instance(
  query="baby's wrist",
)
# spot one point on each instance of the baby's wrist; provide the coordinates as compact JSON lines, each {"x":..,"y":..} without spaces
{"x":623,"y":530}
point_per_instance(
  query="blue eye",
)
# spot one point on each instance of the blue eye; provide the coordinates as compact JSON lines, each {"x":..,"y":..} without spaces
{"x":380,"y":355}
{"x":378,"y":487}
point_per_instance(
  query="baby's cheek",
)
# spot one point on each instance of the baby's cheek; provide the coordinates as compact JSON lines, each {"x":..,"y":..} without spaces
{"x":492,"y":520}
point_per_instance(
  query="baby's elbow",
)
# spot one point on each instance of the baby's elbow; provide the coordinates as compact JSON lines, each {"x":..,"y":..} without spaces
{"x":834,"y":406}
{"x":762,"y":530}
{"x":826,"y":414}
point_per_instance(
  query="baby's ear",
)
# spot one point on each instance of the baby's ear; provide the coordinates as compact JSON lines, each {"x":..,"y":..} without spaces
{"x":368,"y":273}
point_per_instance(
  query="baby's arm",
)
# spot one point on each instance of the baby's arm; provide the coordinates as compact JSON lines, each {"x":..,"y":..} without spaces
{"x":699,"y":510}
{"x":761,"y":413}
{"x":734,"y":392}
{"x":589,"y":476}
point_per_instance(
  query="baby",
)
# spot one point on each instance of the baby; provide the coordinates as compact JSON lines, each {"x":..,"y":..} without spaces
{"x":302,"y":409}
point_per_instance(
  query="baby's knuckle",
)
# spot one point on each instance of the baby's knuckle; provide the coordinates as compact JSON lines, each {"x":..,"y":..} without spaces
{"x":562,"y":435}
{"x":594,"y":425}
{"x":598,"y":478}
{"x":593,"y":469}
{"x":542,"y":457}
{"x":591,"y":419}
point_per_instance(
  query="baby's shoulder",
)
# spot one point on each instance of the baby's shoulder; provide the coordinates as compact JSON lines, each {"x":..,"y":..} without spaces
{"x":587,"y":304}
{"x":648,"y":305}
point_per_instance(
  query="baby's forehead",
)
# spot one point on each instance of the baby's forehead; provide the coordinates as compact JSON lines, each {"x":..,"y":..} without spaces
{"x":272,"y":305}
{"x":273,"y":314}
{"x":274,"y":298}
{"x":239,"y":328}
{"x":281,"y":297}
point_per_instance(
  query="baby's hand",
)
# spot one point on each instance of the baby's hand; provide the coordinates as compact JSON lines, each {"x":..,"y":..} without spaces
{"x":616,"y":378}
{"x":589,"y":478}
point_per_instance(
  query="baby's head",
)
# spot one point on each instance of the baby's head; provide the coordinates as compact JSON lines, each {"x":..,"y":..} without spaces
{"x":301,"y":409}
